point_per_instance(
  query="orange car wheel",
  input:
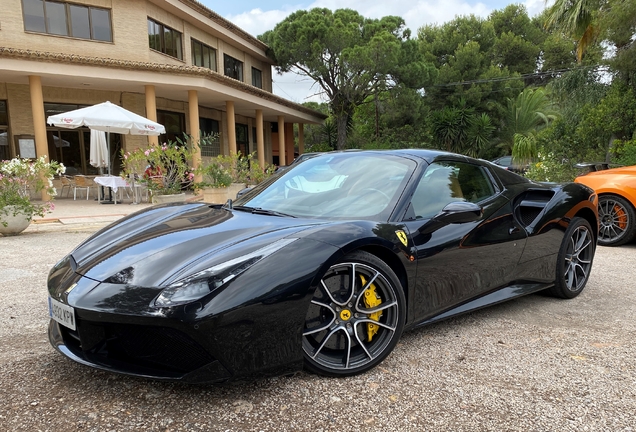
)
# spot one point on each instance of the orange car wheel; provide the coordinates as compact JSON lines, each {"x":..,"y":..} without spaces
{"x":617,"y":220}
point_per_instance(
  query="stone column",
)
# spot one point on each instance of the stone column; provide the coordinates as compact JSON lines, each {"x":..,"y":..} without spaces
{"x":289,"y":142}
{"x":301,"y":138}
{"x":282,"y":160}
{"x":231,"y":126}
{"x":260,"y":142}
{"x":195,"y":133}
{"x":151,"y":111}
{"x":39,"y":121}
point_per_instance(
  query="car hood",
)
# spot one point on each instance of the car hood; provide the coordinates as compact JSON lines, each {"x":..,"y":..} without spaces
{"x":150,"y":247}
{"x":628,"y":170}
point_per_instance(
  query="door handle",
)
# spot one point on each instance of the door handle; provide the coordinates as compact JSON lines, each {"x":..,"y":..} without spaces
{"x":513,"y":230}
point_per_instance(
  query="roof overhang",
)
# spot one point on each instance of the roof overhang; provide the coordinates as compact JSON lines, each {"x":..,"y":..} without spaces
{"x":209,"y":21}
{"x":171,"y":82}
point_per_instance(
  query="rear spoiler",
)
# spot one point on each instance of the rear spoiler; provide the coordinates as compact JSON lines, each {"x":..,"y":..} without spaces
{"x":593,"y":166}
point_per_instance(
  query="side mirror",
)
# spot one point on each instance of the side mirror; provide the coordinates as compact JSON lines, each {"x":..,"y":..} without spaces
{"x":243,"y":191}
{"x":459,"y":212}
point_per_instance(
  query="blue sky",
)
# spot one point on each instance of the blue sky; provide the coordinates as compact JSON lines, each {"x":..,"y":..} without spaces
{"x":256,"y":17}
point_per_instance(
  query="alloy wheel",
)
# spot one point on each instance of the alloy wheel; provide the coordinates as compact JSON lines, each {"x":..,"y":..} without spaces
{"x":614,"y":220}
{"x":578,"y":258}
{"x":354,"y":319}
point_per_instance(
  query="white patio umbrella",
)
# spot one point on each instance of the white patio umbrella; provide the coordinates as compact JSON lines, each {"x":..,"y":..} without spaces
{"x":99,"y":156}
{"x":107,"y":117}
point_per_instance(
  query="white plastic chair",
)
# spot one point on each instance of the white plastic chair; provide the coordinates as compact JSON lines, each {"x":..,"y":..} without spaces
{"x":68,"y":183}
{"x":83,"y":183}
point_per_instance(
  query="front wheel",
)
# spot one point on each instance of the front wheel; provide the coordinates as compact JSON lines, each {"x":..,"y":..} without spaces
{"x":574,"y":259}
{"x":355,"y":318}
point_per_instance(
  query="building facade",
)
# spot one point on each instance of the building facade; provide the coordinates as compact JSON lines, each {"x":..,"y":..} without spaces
{"x":172,"y":61}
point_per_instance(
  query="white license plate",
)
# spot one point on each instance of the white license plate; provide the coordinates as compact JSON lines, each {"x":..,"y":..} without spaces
{"x":62,"y":313}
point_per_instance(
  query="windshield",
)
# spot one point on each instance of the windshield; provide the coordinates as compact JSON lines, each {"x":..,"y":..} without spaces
{"x":354,"y":185}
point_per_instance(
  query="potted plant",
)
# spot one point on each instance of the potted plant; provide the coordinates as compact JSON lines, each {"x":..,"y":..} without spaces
{"x":216,"y":179}
{"x":256,"y":174}
{"x":18,"y":178}
{"x":165,"y":169}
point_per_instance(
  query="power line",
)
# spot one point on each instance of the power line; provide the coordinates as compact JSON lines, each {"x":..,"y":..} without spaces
{"x":523,"y":76}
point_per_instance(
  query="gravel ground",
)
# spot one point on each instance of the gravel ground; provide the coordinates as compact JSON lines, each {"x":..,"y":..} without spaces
{"x":534,"y":364}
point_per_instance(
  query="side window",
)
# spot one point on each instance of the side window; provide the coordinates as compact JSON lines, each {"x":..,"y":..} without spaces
{"x":445,"y":182}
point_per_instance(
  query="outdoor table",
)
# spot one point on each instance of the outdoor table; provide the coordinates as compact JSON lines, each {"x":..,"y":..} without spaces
{"x":113,"y":183}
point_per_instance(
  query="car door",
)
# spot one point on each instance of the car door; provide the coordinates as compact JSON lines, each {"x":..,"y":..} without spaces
{"x":459,"y":261}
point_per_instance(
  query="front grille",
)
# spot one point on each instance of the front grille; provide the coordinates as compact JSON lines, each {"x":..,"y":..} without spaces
{"x":135,"y":347}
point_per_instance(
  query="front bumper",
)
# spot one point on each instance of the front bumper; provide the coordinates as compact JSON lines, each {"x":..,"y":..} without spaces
{"x":143,"y":351}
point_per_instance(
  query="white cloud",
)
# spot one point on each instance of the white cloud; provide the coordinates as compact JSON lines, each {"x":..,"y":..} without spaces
{"x":415,"y":14}
{"x":257,"y":21}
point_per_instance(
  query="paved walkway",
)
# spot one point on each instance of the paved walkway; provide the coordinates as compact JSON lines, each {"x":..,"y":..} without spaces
{"x":74,"y":214}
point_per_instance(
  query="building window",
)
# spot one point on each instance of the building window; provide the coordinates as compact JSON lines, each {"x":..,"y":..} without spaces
{"x":209,"y":128}
{"x":233,"y":67}
{"x":164,"y":39}
{"x":4,"y":134}
{"x":66,"y":19}
{"x":203,"y":55}
{"x":257,"y":78}
{"x":242,"y":139}
{"x":174,"y":122}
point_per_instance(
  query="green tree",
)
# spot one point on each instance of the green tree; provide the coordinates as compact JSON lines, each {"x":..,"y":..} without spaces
{"x":349,"y":56}
{"x":618,"y":26}
{"x":576,"y":18}
{"x":525,"y":115}
{"x":460,"y":130}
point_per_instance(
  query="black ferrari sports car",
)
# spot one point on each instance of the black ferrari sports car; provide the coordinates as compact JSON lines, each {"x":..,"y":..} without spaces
{"x":322,"y":266}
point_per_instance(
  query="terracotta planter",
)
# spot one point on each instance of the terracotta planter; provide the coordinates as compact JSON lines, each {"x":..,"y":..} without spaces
{"x":15,"y":224}
{"x":234,"y":189}
{"x":215,"y":195}
{"x":163,"y":199}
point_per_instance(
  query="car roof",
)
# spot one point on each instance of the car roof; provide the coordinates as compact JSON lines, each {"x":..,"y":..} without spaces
{"x":427,"y":155}
{"x":430,"y":156}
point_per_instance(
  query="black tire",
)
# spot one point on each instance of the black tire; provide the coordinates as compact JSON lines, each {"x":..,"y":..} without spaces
{"x":617,"y":220}
{"x":343,"y":334}
{"x":574,"y":260}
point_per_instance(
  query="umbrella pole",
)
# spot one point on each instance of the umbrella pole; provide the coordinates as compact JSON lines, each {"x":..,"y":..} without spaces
{"x":108,"y":140}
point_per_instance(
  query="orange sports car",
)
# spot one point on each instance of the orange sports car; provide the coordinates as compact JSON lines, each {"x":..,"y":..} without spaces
{"x":616,"y":189}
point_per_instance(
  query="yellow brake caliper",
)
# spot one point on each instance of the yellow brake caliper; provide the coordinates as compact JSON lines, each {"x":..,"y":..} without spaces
{"x":371,"y":300}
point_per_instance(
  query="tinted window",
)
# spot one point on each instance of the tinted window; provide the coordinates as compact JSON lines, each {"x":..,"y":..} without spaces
{"x":56,"y":18}
{"x":67,"y":19}
{"x":446,"y":182}
{"x":203,"y":55}
{"x":100,"y":24}
{"x":34,"y":15}
{"x":257,"y":78}
{"x":174,"y":122}
{"x":4,"y":135}
{"x":80,"y":24}
{"x":233,"y":67}
{"x":210,"y":143}
{"x":164,"y":39}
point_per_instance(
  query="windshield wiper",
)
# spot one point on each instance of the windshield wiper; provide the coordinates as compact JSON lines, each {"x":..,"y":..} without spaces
{"x":261,"y":211}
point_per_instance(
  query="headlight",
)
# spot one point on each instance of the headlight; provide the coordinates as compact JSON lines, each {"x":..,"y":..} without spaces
{"x":198,"y":285}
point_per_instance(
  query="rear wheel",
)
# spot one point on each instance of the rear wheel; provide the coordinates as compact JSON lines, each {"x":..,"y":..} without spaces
{"x":617,"y":220}
{"x":574,"y":259}
{"x":355,"y":318}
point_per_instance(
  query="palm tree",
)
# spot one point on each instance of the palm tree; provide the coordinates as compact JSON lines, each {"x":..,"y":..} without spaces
{"x":460,"y":130}
{"x":576,"y":18}
{"x":525,"y":115}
